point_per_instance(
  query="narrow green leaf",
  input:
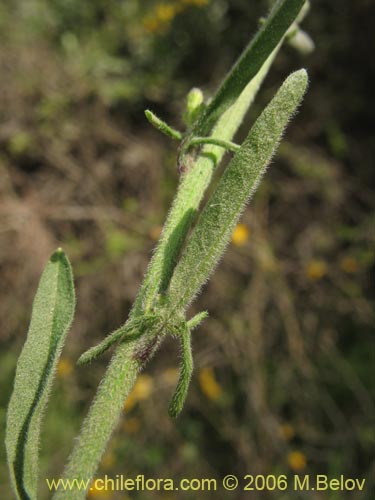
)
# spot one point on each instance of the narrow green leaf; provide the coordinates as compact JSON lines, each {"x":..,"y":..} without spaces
{"x":282,"y":15}
{"x":240,"y":179}
{"x":52,"y":314}
{"x":162,"y":126}
{"x":186,"y":370}
{"x":197,"y":320}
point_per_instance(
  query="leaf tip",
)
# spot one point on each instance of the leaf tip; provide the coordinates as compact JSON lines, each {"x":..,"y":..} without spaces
{"x":58,"y":254}
{"x":302,"y":74}
{"x":174,"y":409}
{"x":83,"y":360}
{"x":87,"y":357}
{"x":300,"y":78}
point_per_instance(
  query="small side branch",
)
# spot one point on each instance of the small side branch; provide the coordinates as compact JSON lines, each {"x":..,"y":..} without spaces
{"x":163,"y":127}
{"x":229,"y":145}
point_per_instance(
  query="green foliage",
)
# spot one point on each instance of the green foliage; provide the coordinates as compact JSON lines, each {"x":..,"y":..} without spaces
{"x":199,"y":168}
{"x":179,"y":396}
{"x":281,"y":17}
{"x":52,"y":315}
{"x":199,"y":173}
{"x":284,"y":362}
{"x":167,"y":303}
{"x":181,"y":264}
{"x":241,"y":178}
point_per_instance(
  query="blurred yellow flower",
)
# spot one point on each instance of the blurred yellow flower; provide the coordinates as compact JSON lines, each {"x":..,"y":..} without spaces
{"x":143,"y":387}
{"x":296,"y":460}
{"x":240,"y":235}
{"x":286,"y":432}
{"x":130,"y":402}
{"x":108,"y":460}
{"x":316,"y":270}
{"x":64,"y":368}
{"x":170,"y":375}
{"x":165,"y":12}
{"x":131,"y":425}
{"x":349,"y":265}
{"x":151,"y":24}
{"x":209,"y":385}
{"x":142,"y":390}
{"x":98,"y":492}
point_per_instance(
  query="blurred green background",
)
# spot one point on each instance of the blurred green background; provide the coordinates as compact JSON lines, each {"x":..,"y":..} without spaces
{"x":284,"y":365}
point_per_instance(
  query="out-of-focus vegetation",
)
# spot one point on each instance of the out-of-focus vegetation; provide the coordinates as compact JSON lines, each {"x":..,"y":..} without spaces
{"x":284,"y":364}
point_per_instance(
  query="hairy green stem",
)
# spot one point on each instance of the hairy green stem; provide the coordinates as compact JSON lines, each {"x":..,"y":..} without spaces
{"x":229,"y":145}
{"x":102,"y":418}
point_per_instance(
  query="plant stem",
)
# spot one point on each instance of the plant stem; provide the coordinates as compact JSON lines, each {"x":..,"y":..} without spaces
{"x":102,"y":418}
{"x":228,"y":145}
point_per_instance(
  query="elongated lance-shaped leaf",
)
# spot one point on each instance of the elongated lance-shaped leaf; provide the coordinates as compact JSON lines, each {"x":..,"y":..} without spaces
{"x":239,"y":181}
{"x":186,"y":370}
{"x":52,"y":314}
{"x":282,"y":15}
{"x":191,"y":191}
